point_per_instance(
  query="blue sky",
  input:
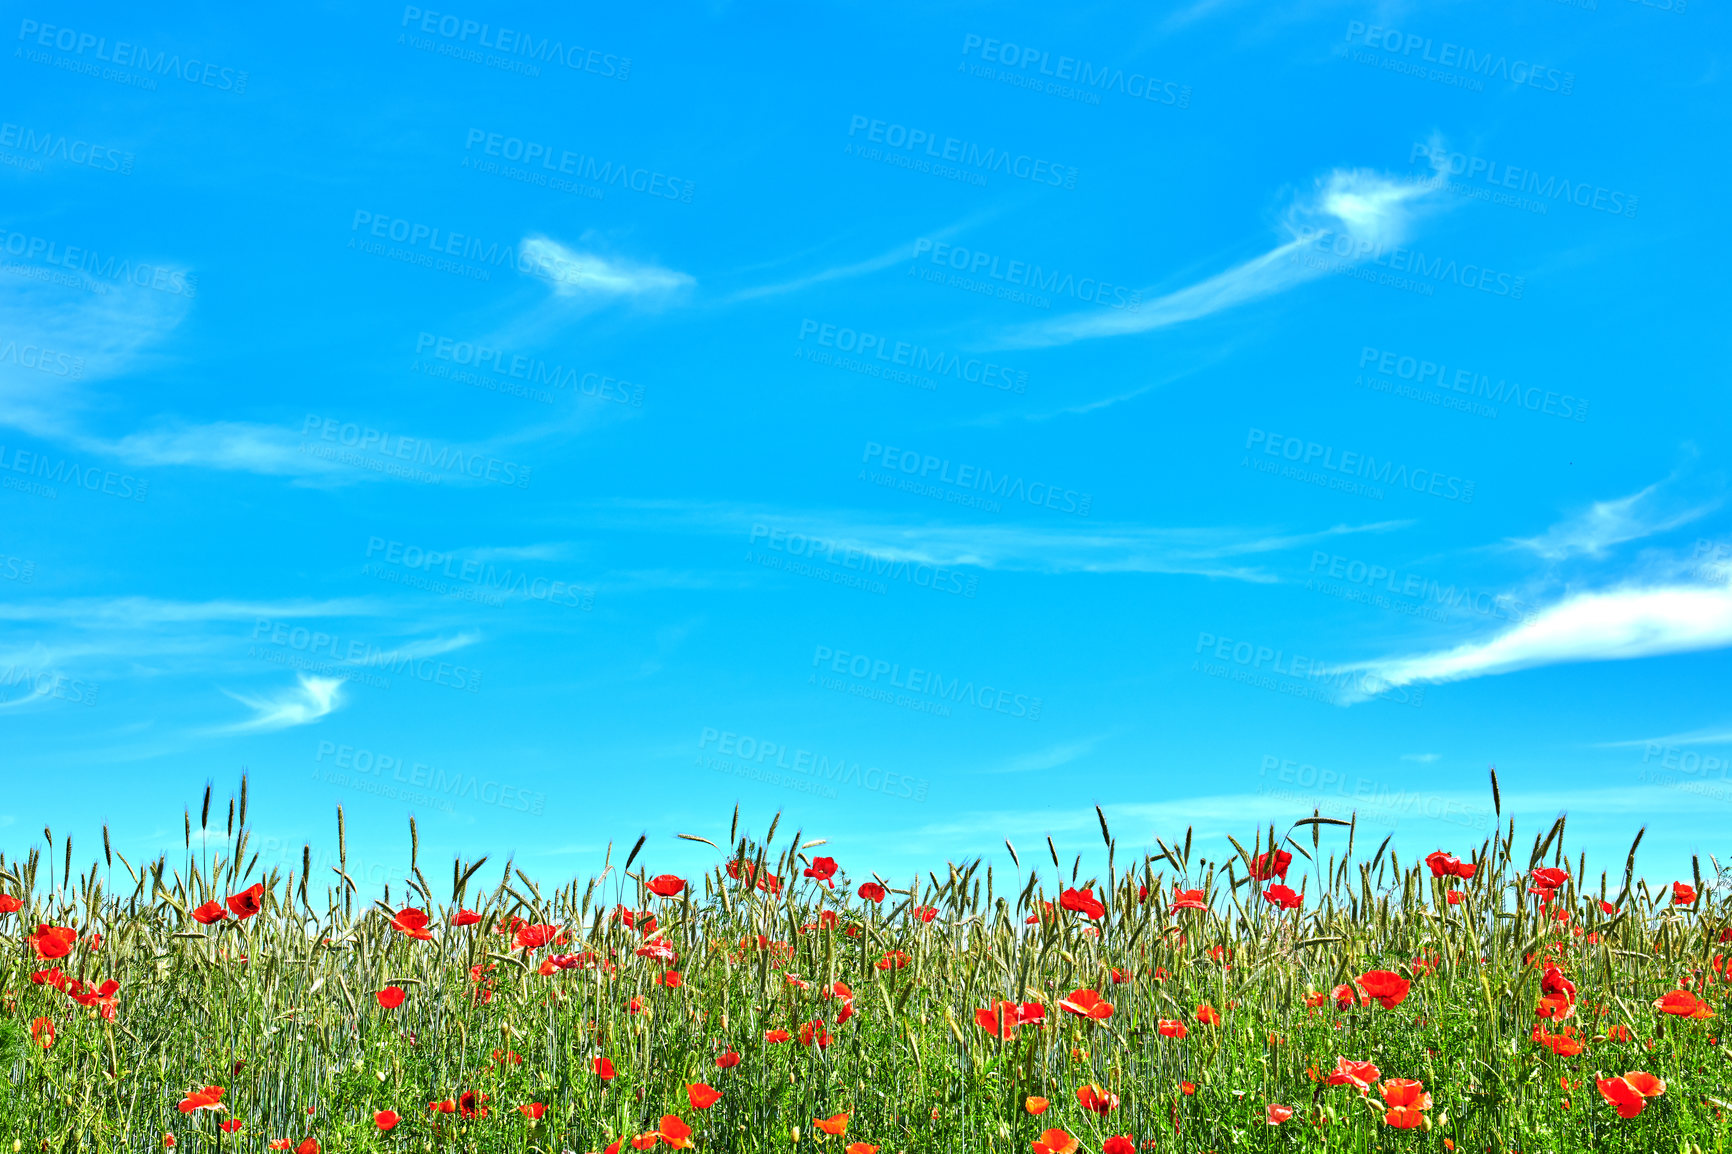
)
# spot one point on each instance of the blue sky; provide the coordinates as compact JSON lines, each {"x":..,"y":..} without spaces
{"x":928,"y":422}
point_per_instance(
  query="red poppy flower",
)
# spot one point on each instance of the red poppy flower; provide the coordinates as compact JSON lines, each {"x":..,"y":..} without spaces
{"x":823,"y":869}
{"x":1055,"y":1142}
{"x":533,"y":1111}
{"x":835,"y":1125}
{"x":1546,"y":879}
{"x":209,"y":1098}
{"x":1082,"y":902}
{"x":775,"y":1036}
{"x":391,"y":996}
{"x":211,"y":911}
{"x":413,"y":922}
{"x":1351,"y":1073}
{"x":727,"y":1060}
{"x":1683,"y":893}
{"x":1553,"y":981}
{"x":666,"y":885}
{"x":249,"y":901}
{"x":1187,"y":1088}
{"x":100,"y":997}
{"x":1405,"y":1102}
{"x":925,"y":913}
{"x":1565,"y":1045}
{"x":1683,"y":1004}
{"x":1386,"y":987}
{"x":893,"y":960}
{"x":53,"y":941}
{"x":1275,"y":1115}
{"x":1035,"y":1104}
{"x":769,"y":883}
{"x":230,"y":1126}
{"x":1119,"y":1144}
{"x":814,"y":1033}
{"x":860,"y":1148}
{"x":1631,"y":1092}
{"x":1000,"y":1019}
{"x":872,"y":891}
{"x":1208,"y":1015}
{"x":1172,"y":1028}
{"x":277,"y":1144}
{"x":385,"y":1119}
{"x":661,"y":950}
{"x":1554,"y":1007}
{"x":1188,"y":899}
{"x":1093,"y":1097}
{"x":602,"y":1067}
{"x":1619,"y":1033}
{"x":308,"y":1146}
{"x":1265,"y":866}
{"x":646,"y":1140}
{"x":10,"y":904}
{"x":465,"y":918}
{"x":42,"y":1030}
{"x":702,"y":1095}
{"x":1455,"y":897}
{"x":1646,"y":1084}
{"x":471,"y":1104}
{"x":1283,"y":897}
{"x":448,"y":1106}
{"x":1087,"y":1004}
{"x":534,"y":937}
{"x":675,"y":1132}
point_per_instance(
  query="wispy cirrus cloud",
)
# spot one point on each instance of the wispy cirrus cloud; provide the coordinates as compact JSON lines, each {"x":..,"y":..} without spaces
{"x":883,"y":260}
{"x":312,"y":699}
{"x":1612,"y":625}
{"x":146,"y":612}
{"x":576,"y":273}
{"x":1370,"y":210}
{"x":1657,"y":607}
{"x":227,"y":446}
{"x":890,"y":256}
{"x":1595,"y":531}
{"x":1211,"y":551}
{"x":1712,"y":735}
{"x":1049,"y":757}
{"x":120,"y":329}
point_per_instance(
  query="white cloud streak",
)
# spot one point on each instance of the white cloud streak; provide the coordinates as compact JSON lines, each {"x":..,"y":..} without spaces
{"x":574,"y":273}
{"x":1605,"y":524}
{"x":1614,"y":625}
{"x":1103,"y":548}
{"x":313,"y":698}
{"x":145,"y":612}
{"x":1370,"y":210}
{"x":1715,"y":735}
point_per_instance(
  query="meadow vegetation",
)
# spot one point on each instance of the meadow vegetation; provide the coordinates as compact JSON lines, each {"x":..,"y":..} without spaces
{"x":1298,"y":989}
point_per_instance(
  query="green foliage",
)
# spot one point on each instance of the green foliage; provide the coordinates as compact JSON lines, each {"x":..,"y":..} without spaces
{"x":279,"y":1008}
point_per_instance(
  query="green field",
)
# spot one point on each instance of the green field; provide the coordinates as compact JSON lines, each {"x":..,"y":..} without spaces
{"x":1192,"y":998}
